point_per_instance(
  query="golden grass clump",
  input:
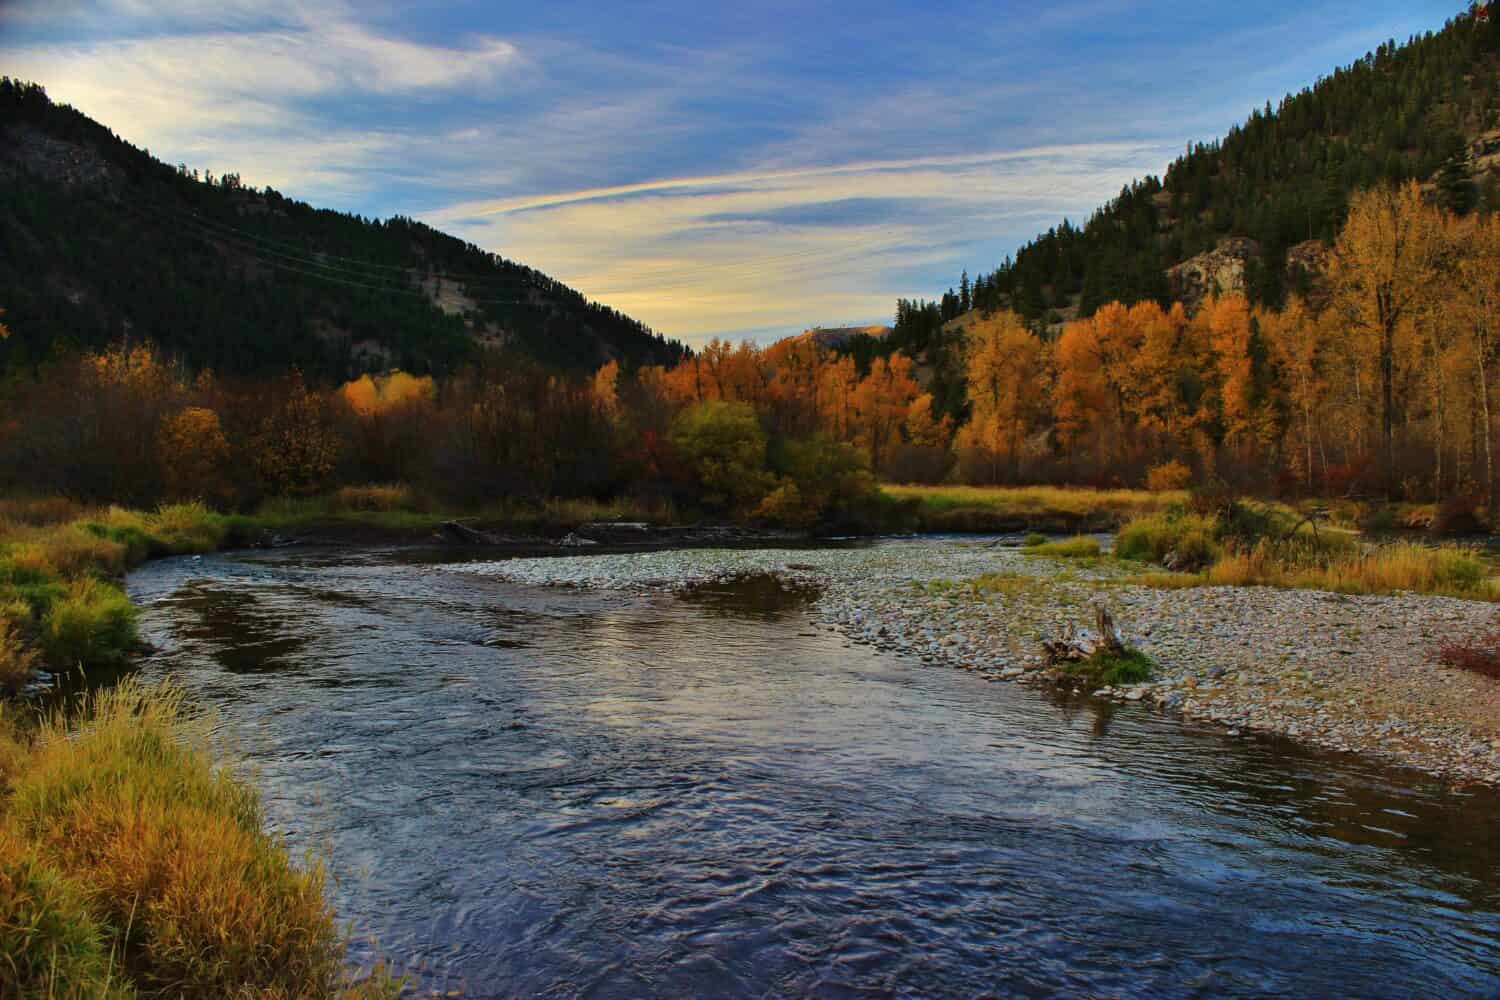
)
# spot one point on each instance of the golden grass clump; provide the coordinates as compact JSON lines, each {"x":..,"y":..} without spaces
{"x":17,"y":658}
{"x":123,"y":803}
{"x":1400,"y":566}
{"x":51,"y":944}
{"x":70,"y":551}
{"x":375,"y":496}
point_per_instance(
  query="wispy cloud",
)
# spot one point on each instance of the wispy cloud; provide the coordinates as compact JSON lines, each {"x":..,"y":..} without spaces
{"x":737,"y":252}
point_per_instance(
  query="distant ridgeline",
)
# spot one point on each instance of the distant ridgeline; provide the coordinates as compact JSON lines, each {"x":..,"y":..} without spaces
{"x":102,"y":243}
{"x":1254,"y":210}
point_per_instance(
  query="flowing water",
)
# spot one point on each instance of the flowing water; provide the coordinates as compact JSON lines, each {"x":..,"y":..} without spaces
{"x":566,"y":792}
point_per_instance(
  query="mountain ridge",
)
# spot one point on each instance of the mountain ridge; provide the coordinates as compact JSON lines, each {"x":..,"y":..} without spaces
{"x":103,"y":242}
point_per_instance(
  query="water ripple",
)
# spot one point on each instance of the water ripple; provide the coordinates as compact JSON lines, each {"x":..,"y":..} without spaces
{"x":558,"y":794}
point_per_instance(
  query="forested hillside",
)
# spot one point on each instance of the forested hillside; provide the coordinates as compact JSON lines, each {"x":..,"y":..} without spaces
{"x":100,"y":243}
{"x":1428,"y":110}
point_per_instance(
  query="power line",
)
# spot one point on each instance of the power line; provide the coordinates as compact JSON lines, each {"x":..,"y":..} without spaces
{"x":257,"y":255}
{"x":686,"y":275}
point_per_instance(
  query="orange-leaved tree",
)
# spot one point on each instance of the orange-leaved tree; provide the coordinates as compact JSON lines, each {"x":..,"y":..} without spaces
{"x":194,"y":455}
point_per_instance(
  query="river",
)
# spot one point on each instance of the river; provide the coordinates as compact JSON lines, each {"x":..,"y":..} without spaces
{"x":568,"y":792}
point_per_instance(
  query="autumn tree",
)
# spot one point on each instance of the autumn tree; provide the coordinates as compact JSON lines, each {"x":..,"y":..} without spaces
{"x":882,"y":402}
{"x":194,"y":454}
{"x":1007,"y":388}
{"x":606,"y":387}
{"x":1477,"y":301}
{"x":1385,"y":264}
{"x":1092,"y":359}
{"x":1297,"y":342}
{"x":295,"y":447}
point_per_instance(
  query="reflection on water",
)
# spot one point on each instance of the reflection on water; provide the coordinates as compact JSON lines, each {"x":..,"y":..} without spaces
{"x":567,"y":792}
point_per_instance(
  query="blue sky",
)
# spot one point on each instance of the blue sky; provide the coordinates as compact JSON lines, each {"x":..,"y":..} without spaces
{"x":741,"y":169}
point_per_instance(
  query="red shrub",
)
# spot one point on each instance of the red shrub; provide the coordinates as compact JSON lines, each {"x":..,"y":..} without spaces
{"x":1479,"y":653}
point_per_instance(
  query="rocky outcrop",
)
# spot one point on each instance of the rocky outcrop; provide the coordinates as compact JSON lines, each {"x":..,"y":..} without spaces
{"x":838,"y":336}
{"x":1220,"y":271}
{"x":23,"y":147}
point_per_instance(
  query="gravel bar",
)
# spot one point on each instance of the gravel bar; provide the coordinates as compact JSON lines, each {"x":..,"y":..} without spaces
{"x":1350,"y":673}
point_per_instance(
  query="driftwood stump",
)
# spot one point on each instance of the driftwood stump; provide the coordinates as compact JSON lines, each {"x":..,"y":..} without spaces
{"x":1075,"y":646}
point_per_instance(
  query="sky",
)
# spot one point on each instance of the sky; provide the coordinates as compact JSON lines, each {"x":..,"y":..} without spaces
{"x":740,"y":169}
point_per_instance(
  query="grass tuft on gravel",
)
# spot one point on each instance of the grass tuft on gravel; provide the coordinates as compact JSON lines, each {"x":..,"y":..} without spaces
{"x":1081,"y":547}
{"x":1111,"y":669}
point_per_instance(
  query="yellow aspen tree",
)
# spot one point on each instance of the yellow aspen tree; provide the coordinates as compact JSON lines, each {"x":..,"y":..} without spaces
{"x":1226,"y":322}
{"x":194,"y":454}
{"x":606,"y":387}
{"x":1385,"y":265}
{"x":1295,"y":342}
{"x":1007,"y":389}
{"x":1476,"y":291}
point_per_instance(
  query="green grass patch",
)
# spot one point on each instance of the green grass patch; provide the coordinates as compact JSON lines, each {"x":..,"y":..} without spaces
{"x":1081,"y":547}
{"x":1112,"y":669}
{"x":92,"y":624}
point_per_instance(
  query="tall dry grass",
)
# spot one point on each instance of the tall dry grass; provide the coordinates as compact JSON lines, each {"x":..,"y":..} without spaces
{"x":1449,"y":570}
{"x":130,"y":861}
{"x":1266,"y":549}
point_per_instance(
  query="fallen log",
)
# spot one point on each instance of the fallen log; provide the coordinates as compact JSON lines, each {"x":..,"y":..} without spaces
{"x":459,"y":532}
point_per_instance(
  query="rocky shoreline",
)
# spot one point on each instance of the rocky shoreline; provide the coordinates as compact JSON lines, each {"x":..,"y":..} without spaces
{"x":1348,"y":673}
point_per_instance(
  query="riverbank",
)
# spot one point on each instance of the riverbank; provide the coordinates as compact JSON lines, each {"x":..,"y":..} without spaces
{"x":1347,"y":672}
{"x":1049,"y":509}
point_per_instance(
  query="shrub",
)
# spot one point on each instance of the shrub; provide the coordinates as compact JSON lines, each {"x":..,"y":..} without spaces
{"x":832,"y":477}
{"x":1478,"y":654}
{"x":1380,"y":519}
{"x":1034,"y":539}
{"x":1457,"y":516}
{"x":1081,"y":547}
{"x":1173,"y":475}
{"x":296,"y":446}
{"x":92,"y":624}
{"x":724,"y":445}
{"x":1190,"y":540}
{"x":785,"y":505}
